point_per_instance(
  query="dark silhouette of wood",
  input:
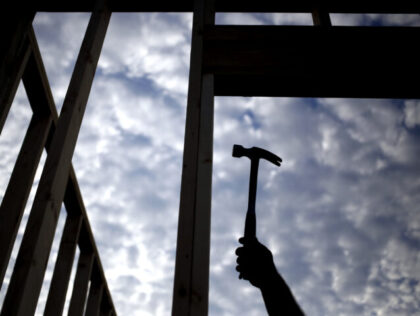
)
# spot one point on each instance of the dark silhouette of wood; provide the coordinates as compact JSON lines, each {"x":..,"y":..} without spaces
{"x":333,"y":6}
{"x":14,"y":53}
{"x":190,"y":296}
{"x":81,"y":284}
{"x":63,"y":266}
{"x":73,"y":200}
{"x":306,"y":61}
{"x":26,"y":280}
{"x":14,"y":200}
{"x":320,"y":16}
{"x":19,"y":187}
{"x":96,"y":290}
{"x":42,"y":103}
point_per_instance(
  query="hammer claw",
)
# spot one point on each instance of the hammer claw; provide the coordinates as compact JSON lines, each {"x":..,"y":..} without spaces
{"x":255,"y":153}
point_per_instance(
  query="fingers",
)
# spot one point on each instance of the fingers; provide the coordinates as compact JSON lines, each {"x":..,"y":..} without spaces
{"x":243,"y":263}
{"x":246,"y":255}
{"x":240,"y":251}
{"x":241,"y":272}
{"x":248,"y":241}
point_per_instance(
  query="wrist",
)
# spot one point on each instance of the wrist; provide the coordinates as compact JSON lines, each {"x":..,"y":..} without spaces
{"x":273,"y":280}
{"x":278,"y":297}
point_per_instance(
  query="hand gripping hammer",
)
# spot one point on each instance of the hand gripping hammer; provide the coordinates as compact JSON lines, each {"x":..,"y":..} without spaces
{"x":255,"y":154}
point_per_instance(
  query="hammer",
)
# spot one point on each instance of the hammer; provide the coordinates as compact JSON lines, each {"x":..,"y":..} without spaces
{"x":255,"y":154}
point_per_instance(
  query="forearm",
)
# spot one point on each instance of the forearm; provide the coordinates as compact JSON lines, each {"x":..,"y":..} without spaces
{"x":278,"y":299}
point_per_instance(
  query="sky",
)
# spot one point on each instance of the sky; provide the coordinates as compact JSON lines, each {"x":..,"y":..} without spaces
{"x":341,"y":215}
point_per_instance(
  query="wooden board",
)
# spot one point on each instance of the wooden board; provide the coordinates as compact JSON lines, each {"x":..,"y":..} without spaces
{"x":63,"y":266}
{"x":305,"y":61}
{"x":190,"y":295}
{"x":96,"y":291}
{"x":81,"y":284}
{"x":27,"y":277}
{"x":14,"y":53}
{"x":20,"y":184}
{"x":345,"y":6}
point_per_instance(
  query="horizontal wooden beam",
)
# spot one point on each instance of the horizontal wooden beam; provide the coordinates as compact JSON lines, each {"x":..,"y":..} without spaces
{"x":347,"y":6}
{"x":305,"y":61}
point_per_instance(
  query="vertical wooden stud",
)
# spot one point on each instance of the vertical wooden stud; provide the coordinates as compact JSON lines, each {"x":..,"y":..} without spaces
{"x":191,"y":283}
{"x":321,"y":17}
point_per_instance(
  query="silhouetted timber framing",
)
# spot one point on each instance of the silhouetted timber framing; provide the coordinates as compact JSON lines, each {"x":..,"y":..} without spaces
{"x":299,"y":61}
{"x":329,"y":6}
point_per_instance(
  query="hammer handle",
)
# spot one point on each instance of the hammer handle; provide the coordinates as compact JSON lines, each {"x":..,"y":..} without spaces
{"x":250,"y":220}
{"x":250,"y":225}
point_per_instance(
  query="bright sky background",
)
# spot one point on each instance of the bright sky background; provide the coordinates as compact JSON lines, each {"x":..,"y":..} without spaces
{"x":341,"y":215}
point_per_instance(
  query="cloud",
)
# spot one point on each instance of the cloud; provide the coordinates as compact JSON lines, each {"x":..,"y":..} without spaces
{"x":373,"y":19}
{"x":412,"y":113}
{"x":154,"y":46}
{"x":264,"y":19}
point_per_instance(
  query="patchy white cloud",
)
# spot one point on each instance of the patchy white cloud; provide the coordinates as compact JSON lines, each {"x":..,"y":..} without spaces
{"x":412,"y":113}
{"x":264,"y":19}
{"x":373,"y":19}
{"x":62,"y":35}
{"x":152,"y":46}
{"x":341,"y":215}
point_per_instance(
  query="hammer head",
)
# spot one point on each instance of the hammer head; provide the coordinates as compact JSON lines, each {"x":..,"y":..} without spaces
{"x":255,"y":153}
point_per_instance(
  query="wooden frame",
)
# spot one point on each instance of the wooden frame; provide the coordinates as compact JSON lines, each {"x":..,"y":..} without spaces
{"x":320,"y":61}
{"x":331,"y":6}
{"x":44,"y":131}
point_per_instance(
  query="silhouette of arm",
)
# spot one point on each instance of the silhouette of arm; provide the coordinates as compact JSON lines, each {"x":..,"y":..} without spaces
{"x":255,"y":264}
